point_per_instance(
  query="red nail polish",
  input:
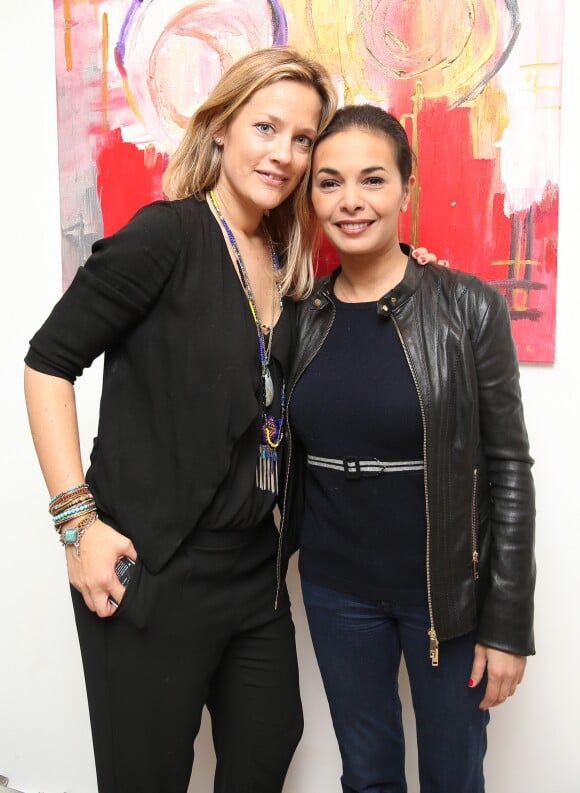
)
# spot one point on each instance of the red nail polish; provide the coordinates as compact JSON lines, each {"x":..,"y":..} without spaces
{"x":470,"y":683}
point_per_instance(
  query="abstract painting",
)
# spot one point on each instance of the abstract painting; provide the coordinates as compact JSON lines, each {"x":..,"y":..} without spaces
{"x":476,"y":83}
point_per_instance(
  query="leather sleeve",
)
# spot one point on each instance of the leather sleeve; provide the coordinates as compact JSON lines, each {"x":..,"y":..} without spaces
{"x":506,"y":620}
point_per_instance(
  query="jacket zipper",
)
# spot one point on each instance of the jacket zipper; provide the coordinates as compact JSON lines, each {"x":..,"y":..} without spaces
{"x":283,"y":512}
{"x":475,"y":552}
{"x":432,"y":633}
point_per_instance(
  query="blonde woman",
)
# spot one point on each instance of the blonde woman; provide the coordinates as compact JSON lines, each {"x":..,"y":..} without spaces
{"x":187,"y":302}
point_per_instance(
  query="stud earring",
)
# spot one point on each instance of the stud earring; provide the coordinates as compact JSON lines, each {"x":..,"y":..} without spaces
{"x":219,"y":141}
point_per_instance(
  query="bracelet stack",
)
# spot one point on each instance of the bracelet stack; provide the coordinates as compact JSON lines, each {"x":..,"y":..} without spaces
{"x":77,"y":502}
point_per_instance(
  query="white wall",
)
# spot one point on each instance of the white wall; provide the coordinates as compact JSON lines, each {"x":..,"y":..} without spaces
{"x":44,"y":731}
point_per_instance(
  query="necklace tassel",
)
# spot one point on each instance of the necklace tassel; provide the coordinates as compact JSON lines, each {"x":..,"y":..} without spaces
{"x":267,"y":469}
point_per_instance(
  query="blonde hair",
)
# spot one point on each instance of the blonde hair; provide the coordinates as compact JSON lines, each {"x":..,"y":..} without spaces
{"x":195,"y":166}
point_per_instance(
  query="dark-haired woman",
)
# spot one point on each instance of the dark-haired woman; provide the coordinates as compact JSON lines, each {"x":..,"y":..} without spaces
{"x":409,"y":479}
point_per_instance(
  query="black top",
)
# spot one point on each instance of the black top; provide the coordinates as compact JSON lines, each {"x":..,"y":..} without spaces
{"x":179,"y":416}
{"x":357,"y":398}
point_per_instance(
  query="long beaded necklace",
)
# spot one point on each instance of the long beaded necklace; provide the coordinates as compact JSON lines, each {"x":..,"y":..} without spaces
{"x":271,"y":434}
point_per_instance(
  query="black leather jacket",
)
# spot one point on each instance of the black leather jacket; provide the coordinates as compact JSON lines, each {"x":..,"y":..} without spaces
{"x":479,"y":492}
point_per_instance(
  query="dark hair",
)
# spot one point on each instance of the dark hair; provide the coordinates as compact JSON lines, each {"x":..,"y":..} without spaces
{"x":370,"y":118}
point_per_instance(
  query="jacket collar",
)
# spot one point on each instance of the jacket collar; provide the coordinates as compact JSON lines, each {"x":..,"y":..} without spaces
{"x":389,"y":302}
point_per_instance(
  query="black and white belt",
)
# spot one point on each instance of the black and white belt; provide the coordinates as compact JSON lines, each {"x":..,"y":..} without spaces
{"x":356,"y":467}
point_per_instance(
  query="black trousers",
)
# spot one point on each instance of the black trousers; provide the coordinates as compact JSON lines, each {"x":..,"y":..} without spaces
{"x":202,"y":632}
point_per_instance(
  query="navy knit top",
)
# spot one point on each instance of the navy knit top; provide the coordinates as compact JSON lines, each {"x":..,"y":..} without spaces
{"x":362,"y":536}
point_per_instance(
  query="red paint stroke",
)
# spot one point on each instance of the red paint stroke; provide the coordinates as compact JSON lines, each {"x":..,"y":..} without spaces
{"x":127,"y":179}
{"x":462,"y":220}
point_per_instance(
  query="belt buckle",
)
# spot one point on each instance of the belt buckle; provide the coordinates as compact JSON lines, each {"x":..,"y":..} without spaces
{"x":351,"y":467}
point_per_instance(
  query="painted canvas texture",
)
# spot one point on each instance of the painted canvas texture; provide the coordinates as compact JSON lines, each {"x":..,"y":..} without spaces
{"x":476,"y":83}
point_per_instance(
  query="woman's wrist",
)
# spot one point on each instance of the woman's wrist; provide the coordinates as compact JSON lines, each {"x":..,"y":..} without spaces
{"x":73,"y":511}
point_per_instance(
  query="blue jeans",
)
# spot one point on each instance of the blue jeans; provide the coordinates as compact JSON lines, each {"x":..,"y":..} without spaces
{"x":358,"y":646}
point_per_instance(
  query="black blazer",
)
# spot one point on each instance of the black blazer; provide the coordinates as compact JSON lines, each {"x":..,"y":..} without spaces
{"x":162,"y":300}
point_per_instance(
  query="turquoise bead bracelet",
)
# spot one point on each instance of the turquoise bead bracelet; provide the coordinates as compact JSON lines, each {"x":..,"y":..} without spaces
{"x":71,"y":512}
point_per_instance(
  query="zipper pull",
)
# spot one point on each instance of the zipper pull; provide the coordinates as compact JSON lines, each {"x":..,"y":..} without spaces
{"x":475,"y":563}
{"x":433,"y":647}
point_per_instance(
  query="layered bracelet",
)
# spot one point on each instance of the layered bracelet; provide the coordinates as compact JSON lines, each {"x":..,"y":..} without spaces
{"x":77,"y":502}
{"x":74,"y":535}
